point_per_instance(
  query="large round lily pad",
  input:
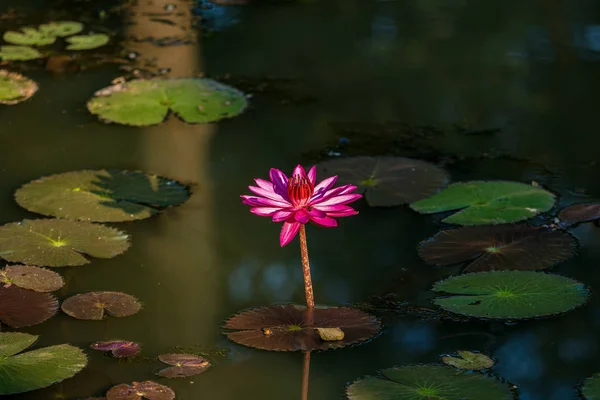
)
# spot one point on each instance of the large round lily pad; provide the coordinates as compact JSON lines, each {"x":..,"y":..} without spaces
{"x":428,"y":382}
{"x":500,"y":247}
{"x":387,"y":181}
{"x":468,"y":360}
{"x":59,"y":242}
{"x":87,"y":42}
{"x":582,"y":212}
{"x":18,"y":53}
{"x":591,"y":388}
{"x":37,"y":368}
{"x":61,"y":28}
{"x":29,"y":37}
{"x":147,"y":102}
{"x":484,"y":203}
{"x":32,"y":278}
{"x":182,"y":365}
{"x":101,"y":195}
{"x":20,"y":307}
{"x":291,"y":328}
{"x":92,"y":305}
{"x":140,"y":390}
{"x":15,"y":88}
{"x":510,"y":294}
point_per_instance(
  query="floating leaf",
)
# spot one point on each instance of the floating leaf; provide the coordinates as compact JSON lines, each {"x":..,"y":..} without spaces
{"x":20,"y":307}
{"x":32,"y":278}
{"x":330,"y":334}
{"x":501,"y":247}
{"x":183,"y":365}
{"x":101,"y":195}
{"x":510,"y":294}
{"x":147,"y":102}
{"x":591,"y":388}
{"x":92,"y":305}
{"x":428,"y":382}
{"x":118,"y":348}
{"x":291,"y":327}
{"x":37,"y":368}
{"x":483,"y":203}
{"x":59,"y":243}
{"x":15,"y":88}
{"x":29,"y":37}
{"x":87,"y":42}
{"x":387,"y":181}
{"x":61,"y":28}
{"x":469,"y":360}
{"x":18,"y":53}
{"x":582,"y":212}
{"x":140,"y":390}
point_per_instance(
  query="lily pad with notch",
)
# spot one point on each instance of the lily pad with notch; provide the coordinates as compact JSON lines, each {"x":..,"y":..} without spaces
{"x":487,"y":202}
{"x":36,"y":369}
{"x":101,"y":195}
{"x":18,"y":53}
{"x":387,"y":181}
{"x":426,"y":382}
{"x":140,"y":390}
{"x":93,"y":305}
{"x":148,"y":102}
{"x":468,"y":360}
{"x":20,"y":308}
{"x":510,"y":294}
{"x":31,"y":278}
{"x":591,"y":387}
{"x":61,"y":28}
{"x":28,"y":37}
{"x":118,"y":348}
{"x":59,"y":242}
{"x":581,"y":212}
{"x":182,"y":365}
{"x":87,"y":42}
{"x":15,"y":88}
{"x":500,"y":247}
{"x":293,"y":328}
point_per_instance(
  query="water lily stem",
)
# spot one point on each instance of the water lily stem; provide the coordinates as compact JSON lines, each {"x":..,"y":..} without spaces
{"x":305,"y":374}
{"x":308,"y":289}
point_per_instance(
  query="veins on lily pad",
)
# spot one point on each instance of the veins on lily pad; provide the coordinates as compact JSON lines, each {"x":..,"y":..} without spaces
{"x":32,"y":278}
{"x":182,"y":365}
{"x":93,"y":305}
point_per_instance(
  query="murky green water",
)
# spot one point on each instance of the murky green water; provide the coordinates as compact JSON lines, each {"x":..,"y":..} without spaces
{"x":530,"y":68}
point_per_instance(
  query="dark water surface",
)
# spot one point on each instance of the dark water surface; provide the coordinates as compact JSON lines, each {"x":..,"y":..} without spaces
{"x":531,"y":68}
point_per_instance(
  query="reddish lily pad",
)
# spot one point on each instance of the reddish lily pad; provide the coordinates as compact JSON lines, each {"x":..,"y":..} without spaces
{"x":140,"y":390}
{"x":20,"y":307}
{"x":387,"y":181}
{"x":582,"y":212}
{"x":32,"y":278}
{"x":92,"y":305}
{"x":291,"y":328}
{"x":118,"y":348}
{"x":499,"y":247}
{"x":183,"y":365}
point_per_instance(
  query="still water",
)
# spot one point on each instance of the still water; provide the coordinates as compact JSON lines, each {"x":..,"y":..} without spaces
{"x":530,"y":68}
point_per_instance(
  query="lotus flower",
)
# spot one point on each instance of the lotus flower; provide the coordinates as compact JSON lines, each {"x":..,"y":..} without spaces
{"x":297,"y":200}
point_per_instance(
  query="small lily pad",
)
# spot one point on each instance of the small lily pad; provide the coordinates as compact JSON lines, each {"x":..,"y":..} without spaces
{"x":15,"y":88}
{"x":292,"y":328}
{"x":38,"y":368}
{"x":147,"y":102}
{"x":140,"y":390}
{"x":32,"y":278}
{"x":183,"y":365}
{"x":484,"y":203}
{"x":582,"y":212}
{"x":591,"y":388}
{"x":59,"y":243}
{"x":101,"y":195}
{"x":330,"y":334}
{"x":87,"y":42}
{"x":21,"y":307}
{"x":61,"y":28}
{"x":428,"y":382}
{"x":92,"y":305}
{"x":18,"y":53}
{"x":468,"y":360}
{"x":387,"y":181}
{"x":118,"y":348}
{"x":510,"y":294}
{"x":501,"y":247}
{"x":28,"y":37}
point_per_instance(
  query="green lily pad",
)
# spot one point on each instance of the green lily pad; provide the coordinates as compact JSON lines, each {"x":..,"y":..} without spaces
{"x":428,"y":382}
{"x":510,"y":294}
{"x":93,"y":305}
{"x":18,"y":53}
{"x":483,"y":203}
{"x":59,"y":243}
{"x":387,"y":181}
{"x":147,"y":102}
{"x":32,"y":278}
{"x":15,"y":88}
{"x":28,"y":37}
{"x":591,"y":388}
{"x":500,"y":247}
{"x":582,"y":212}
{"x":61,"y":28}
{"x":20,"y":307}
{"x":38,"y":368}
{"x":468,"y":360}
{"x":87,"y":42}
{"x":101,"y":196}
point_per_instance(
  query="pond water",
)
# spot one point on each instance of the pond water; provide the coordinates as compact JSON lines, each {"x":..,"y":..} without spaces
{"x":529,"y":69}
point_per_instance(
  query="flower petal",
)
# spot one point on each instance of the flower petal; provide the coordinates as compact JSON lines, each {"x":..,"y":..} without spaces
{"x":299,"y":170}
{"x":280,"y":181}
{"x":288,"y":232}
{"x":327,"y":222}
{"x":343,"y":199}
{"x":318,"y":213}
{"x":267,"y":185}
{"x":256,"y":201}
{"x":312,"y":175}
{"x":264,"y":211}
{"x":324,"y":186}
{"x":269,"y":194}
{"x":346,"y":189}
{"x":302,"y":216}
{"x":332,"y":208}
{"x":343,"y":213}
{"x":282,"y":215}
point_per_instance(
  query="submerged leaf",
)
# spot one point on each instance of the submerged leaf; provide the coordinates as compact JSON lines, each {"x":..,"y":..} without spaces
{"x":101,"y":195}
{"x":18,"y":53}
{"x":28,"y":37}
{"x":15,"y":88}
{"x":20,"y":307}
{"x":140,"y":390}
{"x":118,"y":348}
{"x":469,"y":360}
{"x":510,"y":294}
{"x":292,"y":328}
{"x":59,"y":243}
{"x":501,"y":247}
{"x":87,"y":42}
{"x":330,"y":334}
{"x":61,"y":28}
{"x":387,"y":181}
{"x":483,"y":203}
{"x":183,"y":365}
{"x":32,"y":278}
{"x":92,"y":305}
{"x":591,"y":387}
{"x":583,"y":212}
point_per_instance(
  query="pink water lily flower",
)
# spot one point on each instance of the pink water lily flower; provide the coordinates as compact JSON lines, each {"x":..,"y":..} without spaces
{"x":297,"y":200}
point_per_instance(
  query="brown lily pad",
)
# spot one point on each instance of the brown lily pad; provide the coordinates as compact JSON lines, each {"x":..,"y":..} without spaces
{"x":292,"y":328}
{"x":118,"y":348}
{"x":92,"y":305}
{"x":582,"y":212}
{"x":499,"y":247}
{"x":140,"y":390}
{"x":20,"y":307}
{"x":183,"y":365}
{"x":32,"y":278}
